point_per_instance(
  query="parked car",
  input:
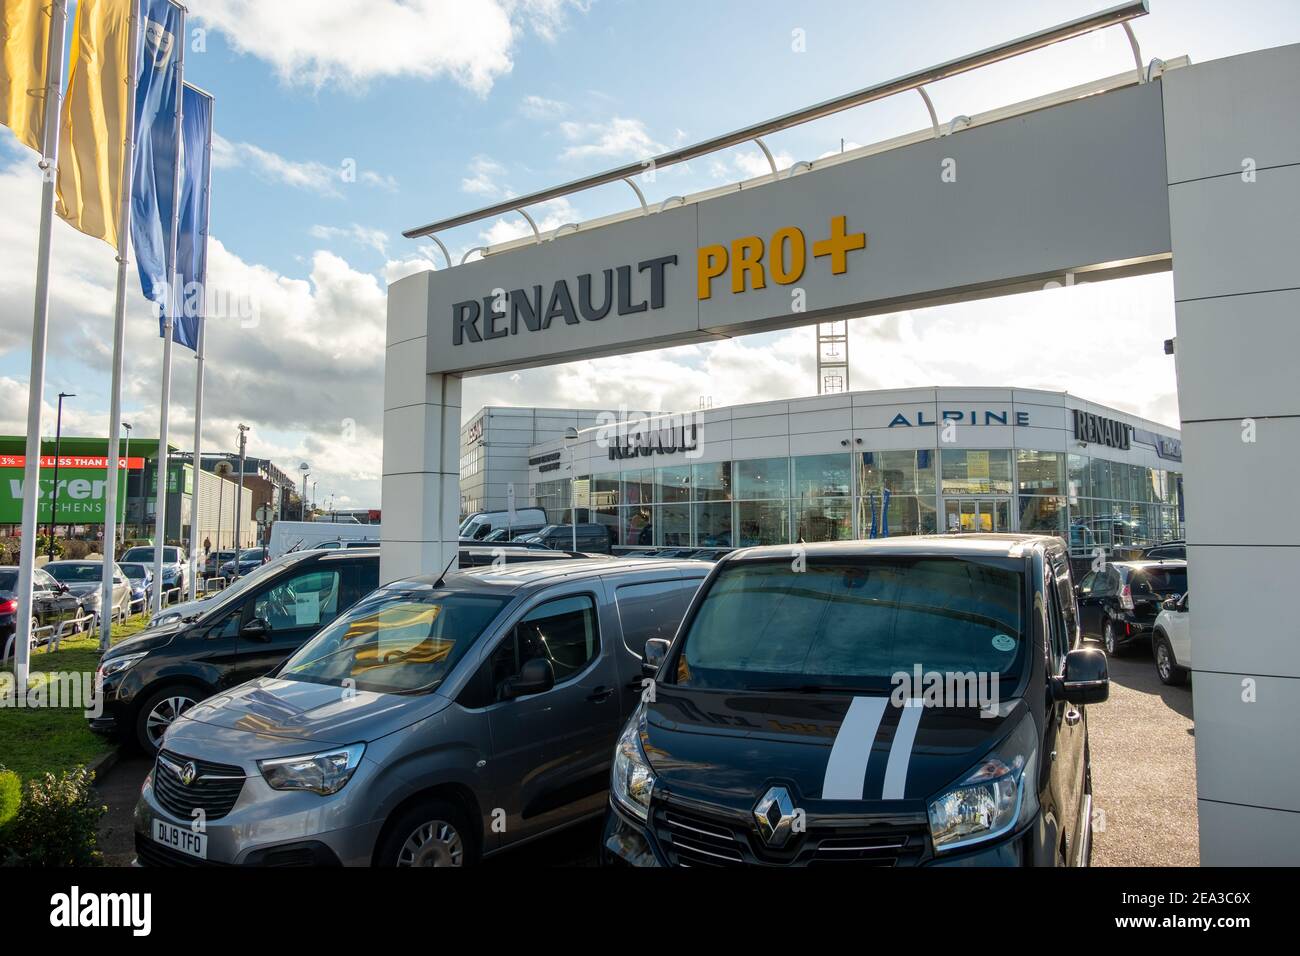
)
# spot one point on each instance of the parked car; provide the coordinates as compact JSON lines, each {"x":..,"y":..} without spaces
{"x":1172,"y":641}
{"x":438,"y":721}
{"x":191,"y":610}
{"x":173,"y":569}
{"x":215,"y":559}
{"x":153,"y":677}
{"x":249,"y":559}
{"x":1118,"y":604}
{"x":790,"y":694}
{"x":140,"y":577}
{"x":1176,"y":549}
{"x":482,"y":523}
{"x":52,"y":604}
{"x":83,"y":579}
{"x":593,"y":538}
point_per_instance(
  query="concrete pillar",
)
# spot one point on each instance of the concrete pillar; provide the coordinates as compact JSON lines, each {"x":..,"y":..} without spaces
{"x":421,"y":471}
{"x":1233,"y":157}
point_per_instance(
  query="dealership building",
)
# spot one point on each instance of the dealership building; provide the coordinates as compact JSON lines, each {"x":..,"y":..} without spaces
{"x":849,"y":465}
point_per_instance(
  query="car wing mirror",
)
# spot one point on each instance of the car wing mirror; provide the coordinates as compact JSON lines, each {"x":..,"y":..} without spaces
{"x":535,"y":677}
{"x":256,"y":630}
{"x":656,"y":652}
{"x":1085,"y":679}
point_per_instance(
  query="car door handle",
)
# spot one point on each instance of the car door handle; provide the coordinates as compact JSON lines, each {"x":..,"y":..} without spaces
{"x":1072,"y":717}
{"x":600,"y":695}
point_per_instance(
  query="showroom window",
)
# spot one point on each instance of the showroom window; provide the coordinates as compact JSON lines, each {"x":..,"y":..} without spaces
{"x":976,"y":472}
{"x":822,"y":476}
{"x":762,"y":478}
{"x":712,"y":482}
{"x":902,"y":472}
{"x":823,"y":519}
{"x":673,"y":485}
{"x":762,"y":522}
{"x":1040,"y":472}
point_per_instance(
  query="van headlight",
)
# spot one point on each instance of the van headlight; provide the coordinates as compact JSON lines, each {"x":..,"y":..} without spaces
{"x":633,"y":780}
{"x":117,"y":665}
{"x":993,"y":797}
{"x":324,"y":773}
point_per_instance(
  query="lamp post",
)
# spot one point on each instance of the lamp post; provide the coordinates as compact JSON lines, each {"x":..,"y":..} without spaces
{"x":126,"y":485}
{"x":306,"y":471}
{"x":239,"y":496}
{"x":54,"y":503}
{"x":571,"y":439}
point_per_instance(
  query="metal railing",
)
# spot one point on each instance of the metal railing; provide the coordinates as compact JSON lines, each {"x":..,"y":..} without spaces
{"x":53,"y":634}
{"x":1114,"y":16}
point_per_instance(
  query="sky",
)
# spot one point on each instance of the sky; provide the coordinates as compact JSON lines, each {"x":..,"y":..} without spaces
{"x":339,"y":123}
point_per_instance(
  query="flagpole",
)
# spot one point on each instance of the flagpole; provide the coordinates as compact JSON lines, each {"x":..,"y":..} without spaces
{"x":119,"y":341}
{"x":174,"y":299}
{"x":40,"y":334}
{"x":198,"y":367}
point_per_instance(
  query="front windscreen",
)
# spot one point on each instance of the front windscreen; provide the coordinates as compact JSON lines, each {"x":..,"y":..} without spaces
{"x":75,"y":573}
{"x":855,"y":623}
{"x":1172,"y":580}
{"x":396,"y":641}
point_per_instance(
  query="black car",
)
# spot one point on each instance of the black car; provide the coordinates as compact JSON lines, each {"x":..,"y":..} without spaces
{"x":795,"y":719}
{"x":153,"y":677}
{"x":53,"y":604}
{"x":1119,"y":603}
{"x":1168,"y":550}
{"x":591,"y":538}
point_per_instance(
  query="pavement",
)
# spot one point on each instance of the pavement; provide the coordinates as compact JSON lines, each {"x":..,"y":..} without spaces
{"x":1143,"y":781}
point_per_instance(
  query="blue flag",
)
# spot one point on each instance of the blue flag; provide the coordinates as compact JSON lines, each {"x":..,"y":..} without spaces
{"x":154,"y":176}
{"x":191,"y":242}
{"x":884,"y":514}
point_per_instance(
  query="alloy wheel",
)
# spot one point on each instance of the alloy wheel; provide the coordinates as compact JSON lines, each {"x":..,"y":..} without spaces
{"x":1163,"y":664}
{"x":1108,"y":639}
{"x":163,"y":714}
{"x":435,"y":843}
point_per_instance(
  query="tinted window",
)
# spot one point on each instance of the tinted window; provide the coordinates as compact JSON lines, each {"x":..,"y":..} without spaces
{"x":309,"y":599}
{"x":653,"y":609}
{"x":855,"y":623}
{"x":8,"y":580}
{"x":75,"y":573}
{"x":1160,"y":581}
{"x":135,"y":572}
{"x":396,"y":641}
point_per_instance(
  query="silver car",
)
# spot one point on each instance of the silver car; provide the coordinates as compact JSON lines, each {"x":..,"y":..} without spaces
{"x":82,"y":579}
{"x":436,"y":722}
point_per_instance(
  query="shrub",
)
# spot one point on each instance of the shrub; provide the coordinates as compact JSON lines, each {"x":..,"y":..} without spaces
{"x":57,"y":823}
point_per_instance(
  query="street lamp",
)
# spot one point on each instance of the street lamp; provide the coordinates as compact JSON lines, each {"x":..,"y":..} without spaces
{"x":571,"y":439}
{"x":54,"y":503}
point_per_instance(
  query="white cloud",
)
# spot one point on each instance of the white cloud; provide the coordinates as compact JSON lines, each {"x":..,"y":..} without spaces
{"x":541,"y":108}
{"x":379,"y":180}
{"x":345,"y":42}
{"x":310,"y":175}
{"x":748,"y":164}
{"x":549,"y":215}
{"x":483,"y":178}
{"x":619,"y":137}
{"x":376,"y":239}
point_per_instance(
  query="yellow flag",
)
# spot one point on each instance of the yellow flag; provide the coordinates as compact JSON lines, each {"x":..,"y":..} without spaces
{"x":26,"y":37}
{"x":92,"y":143}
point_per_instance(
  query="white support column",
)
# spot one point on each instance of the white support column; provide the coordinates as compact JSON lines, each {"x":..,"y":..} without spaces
{"x":1234,"y":201}
{"x":421,"y":471}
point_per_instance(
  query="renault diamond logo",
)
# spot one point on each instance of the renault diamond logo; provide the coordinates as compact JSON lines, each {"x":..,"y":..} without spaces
{"x":775,"y":816}
{"x":188,"y":773}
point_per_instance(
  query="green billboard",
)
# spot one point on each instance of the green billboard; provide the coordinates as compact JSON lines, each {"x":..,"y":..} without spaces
{"x":81,"y":495}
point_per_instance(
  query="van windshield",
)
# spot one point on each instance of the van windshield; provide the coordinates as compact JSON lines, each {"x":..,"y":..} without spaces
{"x":396,"y":642}
{"x":855,"y":624}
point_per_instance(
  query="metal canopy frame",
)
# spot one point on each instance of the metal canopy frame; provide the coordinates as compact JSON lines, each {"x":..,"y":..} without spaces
{"x":1117,"y":15}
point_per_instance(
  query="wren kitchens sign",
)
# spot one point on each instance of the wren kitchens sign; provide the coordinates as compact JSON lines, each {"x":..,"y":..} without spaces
{"x":81,"y":496}
{"x":1102,"y":431}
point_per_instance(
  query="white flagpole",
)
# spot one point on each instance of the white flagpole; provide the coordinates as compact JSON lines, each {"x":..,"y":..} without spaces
{"x":174,"y":300}
{"x":198,"y":369}
{"x":40,"y":333}
{"x":119,"y":341}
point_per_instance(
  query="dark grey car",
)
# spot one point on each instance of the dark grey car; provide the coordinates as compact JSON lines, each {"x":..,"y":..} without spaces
{"x":435,"y":722}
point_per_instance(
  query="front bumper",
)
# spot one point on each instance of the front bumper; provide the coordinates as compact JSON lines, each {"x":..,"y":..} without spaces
{"x":268,"y":827}
{"x":629,"y":842}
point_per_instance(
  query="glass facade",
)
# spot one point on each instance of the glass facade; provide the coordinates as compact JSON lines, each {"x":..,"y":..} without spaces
{"x":1094,"y":502}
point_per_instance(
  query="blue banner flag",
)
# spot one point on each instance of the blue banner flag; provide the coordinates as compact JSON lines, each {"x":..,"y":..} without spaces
{"x":884,"y":514}
{"x":153,"y":179}
{"x":191,"y":242}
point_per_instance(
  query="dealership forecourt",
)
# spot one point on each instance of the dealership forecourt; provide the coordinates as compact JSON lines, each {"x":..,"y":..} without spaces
{"x":1193,"y":169}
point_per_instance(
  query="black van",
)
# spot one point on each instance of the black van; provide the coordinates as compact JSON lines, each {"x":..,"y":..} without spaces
{"x":901,"y":702}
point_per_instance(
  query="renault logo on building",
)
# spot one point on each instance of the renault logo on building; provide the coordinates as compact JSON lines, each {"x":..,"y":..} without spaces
{"x":775,"y":816}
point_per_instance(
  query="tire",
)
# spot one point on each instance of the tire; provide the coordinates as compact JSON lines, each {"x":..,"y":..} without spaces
{"x":1109,"y":641}
{"x":430,"y":833}
{"x":1167,"y":668}
{"x":156,"y":713}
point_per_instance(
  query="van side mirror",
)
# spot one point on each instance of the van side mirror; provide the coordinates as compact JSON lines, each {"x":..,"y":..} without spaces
{"x":1085,"y":678}
{"x":656,"y":652}
{"x":256,"y":630}
{"x":535,"y":677}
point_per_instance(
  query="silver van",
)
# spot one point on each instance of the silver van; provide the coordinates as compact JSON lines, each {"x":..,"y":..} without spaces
{"x":435,"y":722}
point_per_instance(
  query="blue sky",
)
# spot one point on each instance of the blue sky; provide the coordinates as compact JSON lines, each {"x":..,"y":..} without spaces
{"x":446,"y":105}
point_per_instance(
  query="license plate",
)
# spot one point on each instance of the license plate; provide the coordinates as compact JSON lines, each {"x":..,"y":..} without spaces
{"x":181,"y":838}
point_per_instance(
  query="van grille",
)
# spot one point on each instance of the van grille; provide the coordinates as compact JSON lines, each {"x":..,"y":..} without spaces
{"x":214,"y":790}
{"x":696,"y":838}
